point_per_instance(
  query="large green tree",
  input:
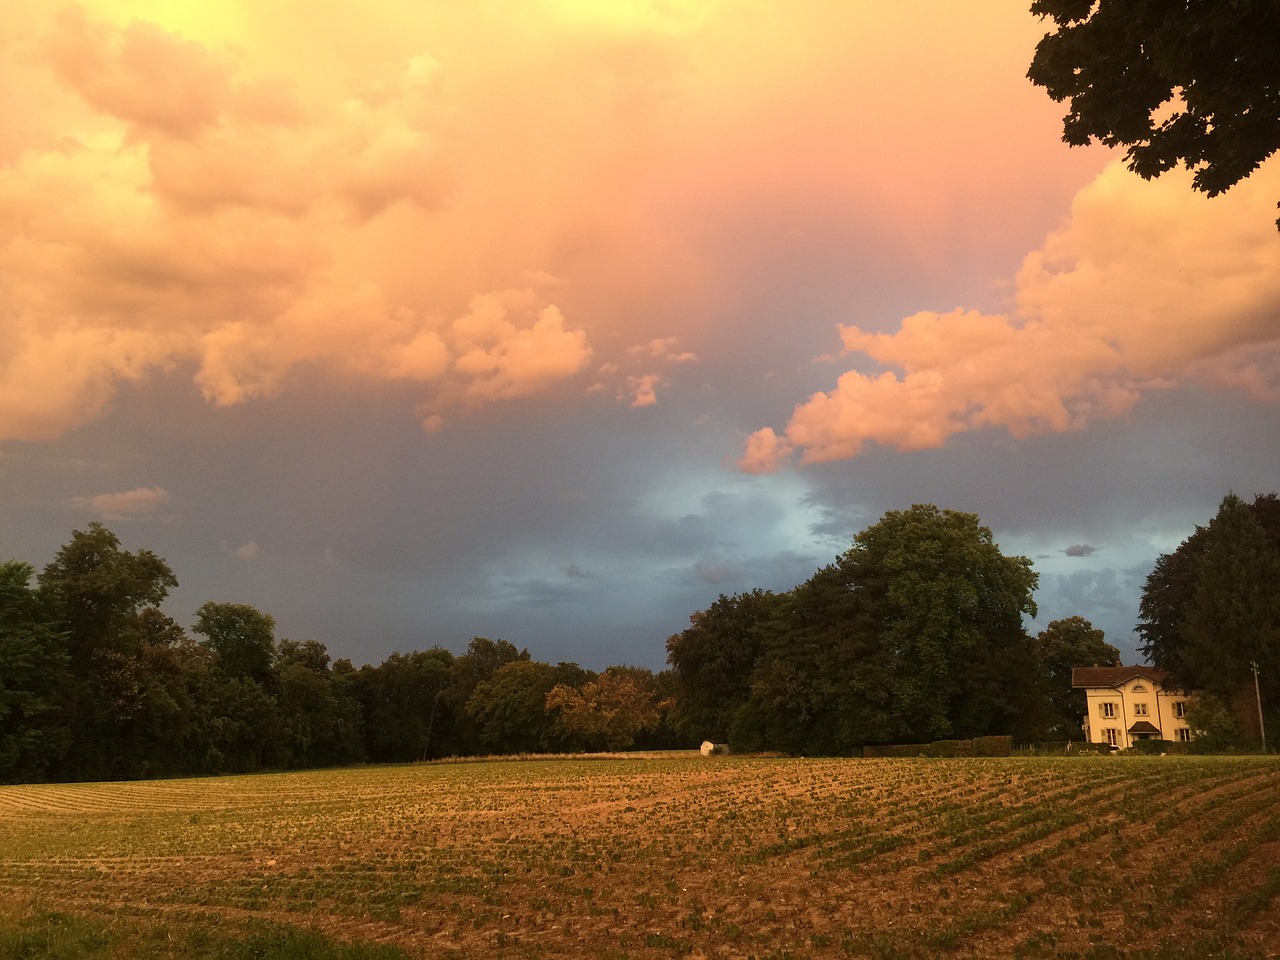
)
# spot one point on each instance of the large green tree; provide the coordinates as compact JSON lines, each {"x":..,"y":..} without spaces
{"x":1060,"y":647}
{"x":1211,"y":608}
{"x":913,"y":634}
{"x":1233,"y":619}
{"x":712,"y":662}
{"x":118,"y":699}
{"x":408,"y":713}
{"x":610,"y":710}
{"x":479,"y":663}
{"x":509,"y":708}
{"x":1194,"y":83}
{"x":823,"y":681}
{"x":99,"y":590}
{"x":242,"y":637}
{"x":33,"y":668}
{"x":949,"y":607}
{"x":320,"y":721}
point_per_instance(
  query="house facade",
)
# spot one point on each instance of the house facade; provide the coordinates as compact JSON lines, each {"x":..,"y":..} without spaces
{"x":1125,"y":704}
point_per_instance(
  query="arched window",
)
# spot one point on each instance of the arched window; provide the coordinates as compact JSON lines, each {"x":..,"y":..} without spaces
{"x":1139,"y":688}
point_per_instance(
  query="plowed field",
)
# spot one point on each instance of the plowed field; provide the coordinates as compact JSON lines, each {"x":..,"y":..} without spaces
{"x":685,"y":856}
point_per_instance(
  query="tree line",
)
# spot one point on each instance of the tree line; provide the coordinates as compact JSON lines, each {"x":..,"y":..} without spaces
{"x":915,"y":633}
{"x":96,"y":682}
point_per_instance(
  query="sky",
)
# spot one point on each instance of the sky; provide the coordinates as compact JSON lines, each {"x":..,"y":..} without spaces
{"x":553,"y":320}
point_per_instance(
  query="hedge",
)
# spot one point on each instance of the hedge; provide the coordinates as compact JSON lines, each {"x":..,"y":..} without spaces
{"x":977,"y":747}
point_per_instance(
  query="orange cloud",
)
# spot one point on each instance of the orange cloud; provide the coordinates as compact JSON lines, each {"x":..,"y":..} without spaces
{"x":205,"y":188}
{"x":1147,"y":285}
{"x":198,"y":214}
{"x":134,"y":504}
{"x":643,"y":390}
{"x":502,"y":360}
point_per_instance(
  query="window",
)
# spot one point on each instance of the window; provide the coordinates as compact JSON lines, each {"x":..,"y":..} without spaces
{"x":1139,"y":688}
{"x":1108,"y":709}
{"x":1180,"y":709}
{"x":1140,"y":710}
{"x":1113,"y":736}
{"x":1184,"y":734}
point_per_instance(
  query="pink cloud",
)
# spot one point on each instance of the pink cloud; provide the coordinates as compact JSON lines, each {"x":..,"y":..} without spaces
{"x":135,"y":504}
{"x":643,"y":390}
{"x":142,"y":74}
{"x":1147,"y":285}
{"x":501,"y":359}
{"x":220,"y":192}
{"x":765,"y":452}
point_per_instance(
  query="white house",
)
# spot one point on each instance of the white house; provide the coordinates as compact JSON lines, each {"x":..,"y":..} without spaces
{"x":1130,"y":703}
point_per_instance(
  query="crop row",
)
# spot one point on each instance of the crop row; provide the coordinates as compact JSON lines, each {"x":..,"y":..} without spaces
{"x":733,"y":856}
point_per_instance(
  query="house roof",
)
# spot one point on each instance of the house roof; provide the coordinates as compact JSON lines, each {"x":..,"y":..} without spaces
{"x":1115,"y":676}
{"x":1144,"y":726}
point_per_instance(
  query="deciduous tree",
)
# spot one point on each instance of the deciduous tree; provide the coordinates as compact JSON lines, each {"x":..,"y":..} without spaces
{"x":712,"y":661}
{"x":823,"y":682}
{"x":510,"y":708}
{"x":1191,"y":83}
{"x":1060,"y":647}
{"x":1212,"y":608}
{"x":33,"y":668}
{"x":407,"y":712}
{"x":242,"y":637}
{"x":610,"y":709}
{"x":949,"y":607}
{"x":98,"y":591}
{"x":913,"y":634}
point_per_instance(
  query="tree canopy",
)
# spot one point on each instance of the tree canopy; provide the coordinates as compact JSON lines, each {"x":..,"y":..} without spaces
{"x":610,"y":710}
{"x":913,"y":634}
{"x":1211,"y":608}
{"x":713,"y":660}
{"x":1061,"y":647}
{"x":1192,"y":83}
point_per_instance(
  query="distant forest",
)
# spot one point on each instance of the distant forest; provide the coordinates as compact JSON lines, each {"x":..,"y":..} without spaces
{"x":914,"y":634}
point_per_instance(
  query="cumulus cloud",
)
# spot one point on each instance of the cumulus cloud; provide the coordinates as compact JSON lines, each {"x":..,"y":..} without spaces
{"x":665,"y":348}
{"x":503,"y":360}
{"x":137,"y":504}
{"x":765,"y":452}
{"x":152,"y":79}
{"x":642,"y":391}
{"x":216,"y":195}
{"x":184,"y":209}
{"x":1147,"y":285}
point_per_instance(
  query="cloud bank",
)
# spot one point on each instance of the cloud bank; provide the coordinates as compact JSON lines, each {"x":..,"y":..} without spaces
{"x":206,"y":192}
{"x":175,"y":205}
{"x":1146,"y":286}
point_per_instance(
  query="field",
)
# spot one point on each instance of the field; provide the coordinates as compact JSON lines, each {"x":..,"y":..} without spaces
{"x":658,"y":857}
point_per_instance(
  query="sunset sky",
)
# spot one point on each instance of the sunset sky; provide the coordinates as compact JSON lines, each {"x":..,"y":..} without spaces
{"x":551,"y":320}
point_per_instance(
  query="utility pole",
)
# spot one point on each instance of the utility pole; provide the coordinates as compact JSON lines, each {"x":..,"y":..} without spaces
{"x":1262,"y":727}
